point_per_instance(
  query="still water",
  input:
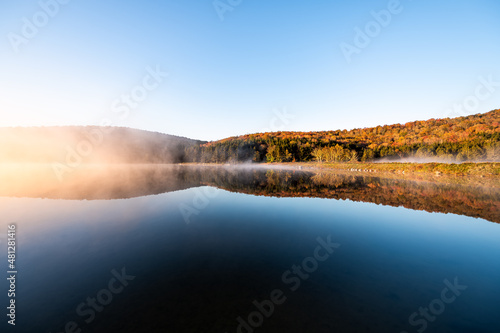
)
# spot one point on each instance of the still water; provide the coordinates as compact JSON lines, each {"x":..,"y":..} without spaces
{"x":185,"y":249}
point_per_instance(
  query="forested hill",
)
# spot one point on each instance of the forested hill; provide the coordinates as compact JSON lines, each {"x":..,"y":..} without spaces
{"x":72,"y":145}
{"x":472,"y":138}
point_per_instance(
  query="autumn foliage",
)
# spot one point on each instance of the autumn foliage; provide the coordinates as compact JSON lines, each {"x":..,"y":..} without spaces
{"x":471,"y":138}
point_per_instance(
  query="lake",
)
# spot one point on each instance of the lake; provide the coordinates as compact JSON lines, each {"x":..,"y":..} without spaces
{"x":178,"y":248}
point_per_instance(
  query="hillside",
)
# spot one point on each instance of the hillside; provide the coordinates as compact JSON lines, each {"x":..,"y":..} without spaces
{"x":70,"y":145}
{"x":471,"y":138}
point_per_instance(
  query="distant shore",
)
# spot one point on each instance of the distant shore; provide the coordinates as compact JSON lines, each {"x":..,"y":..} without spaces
{"x":486,"y":173}
{"x":486,"y":169}
{"x":481,"y":169}
{"x":481,"y":173}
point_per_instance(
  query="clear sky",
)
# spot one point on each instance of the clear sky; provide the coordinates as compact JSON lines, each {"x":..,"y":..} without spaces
{"x":232,"y":69}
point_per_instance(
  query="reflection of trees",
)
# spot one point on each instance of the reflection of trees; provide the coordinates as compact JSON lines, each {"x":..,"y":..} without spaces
{"x":472,"y":201}
{"x":331,"y":179}
{"x":119,"y":182}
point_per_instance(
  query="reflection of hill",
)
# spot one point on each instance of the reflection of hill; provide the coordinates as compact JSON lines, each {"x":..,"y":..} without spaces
{"x":93,"y":183}
{"x":471,"y":201}
{"x":127,"y":181}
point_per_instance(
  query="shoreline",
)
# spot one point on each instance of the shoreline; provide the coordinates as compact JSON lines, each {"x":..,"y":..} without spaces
{"x":476,"y":174}
{"x":473,"y":174}
{"x":481,"y":169}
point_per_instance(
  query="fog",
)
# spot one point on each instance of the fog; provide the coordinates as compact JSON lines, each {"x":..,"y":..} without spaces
{"x":75,"y":145}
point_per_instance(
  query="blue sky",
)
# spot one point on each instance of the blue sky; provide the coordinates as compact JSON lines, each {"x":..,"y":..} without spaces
{"x":233,"y":76}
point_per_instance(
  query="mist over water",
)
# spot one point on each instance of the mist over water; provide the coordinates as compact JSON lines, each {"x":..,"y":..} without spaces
{"x":119,"y":181}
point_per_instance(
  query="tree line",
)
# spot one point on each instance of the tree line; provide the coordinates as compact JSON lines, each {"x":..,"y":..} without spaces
{"x":475,"y":137}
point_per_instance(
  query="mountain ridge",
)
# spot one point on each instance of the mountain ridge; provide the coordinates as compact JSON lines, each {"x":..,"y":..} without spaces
{"x":474,"y":137}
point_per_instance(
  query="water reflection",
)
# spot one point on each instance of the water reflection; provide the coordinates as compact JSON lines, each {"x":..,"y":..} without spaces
{"x":128,"y":181}
{"x":203,"y":276}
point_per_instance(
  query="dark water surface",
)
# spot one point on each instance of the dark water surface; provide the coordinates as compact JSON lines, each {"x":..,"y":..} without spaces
{"x":183,"y":249}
